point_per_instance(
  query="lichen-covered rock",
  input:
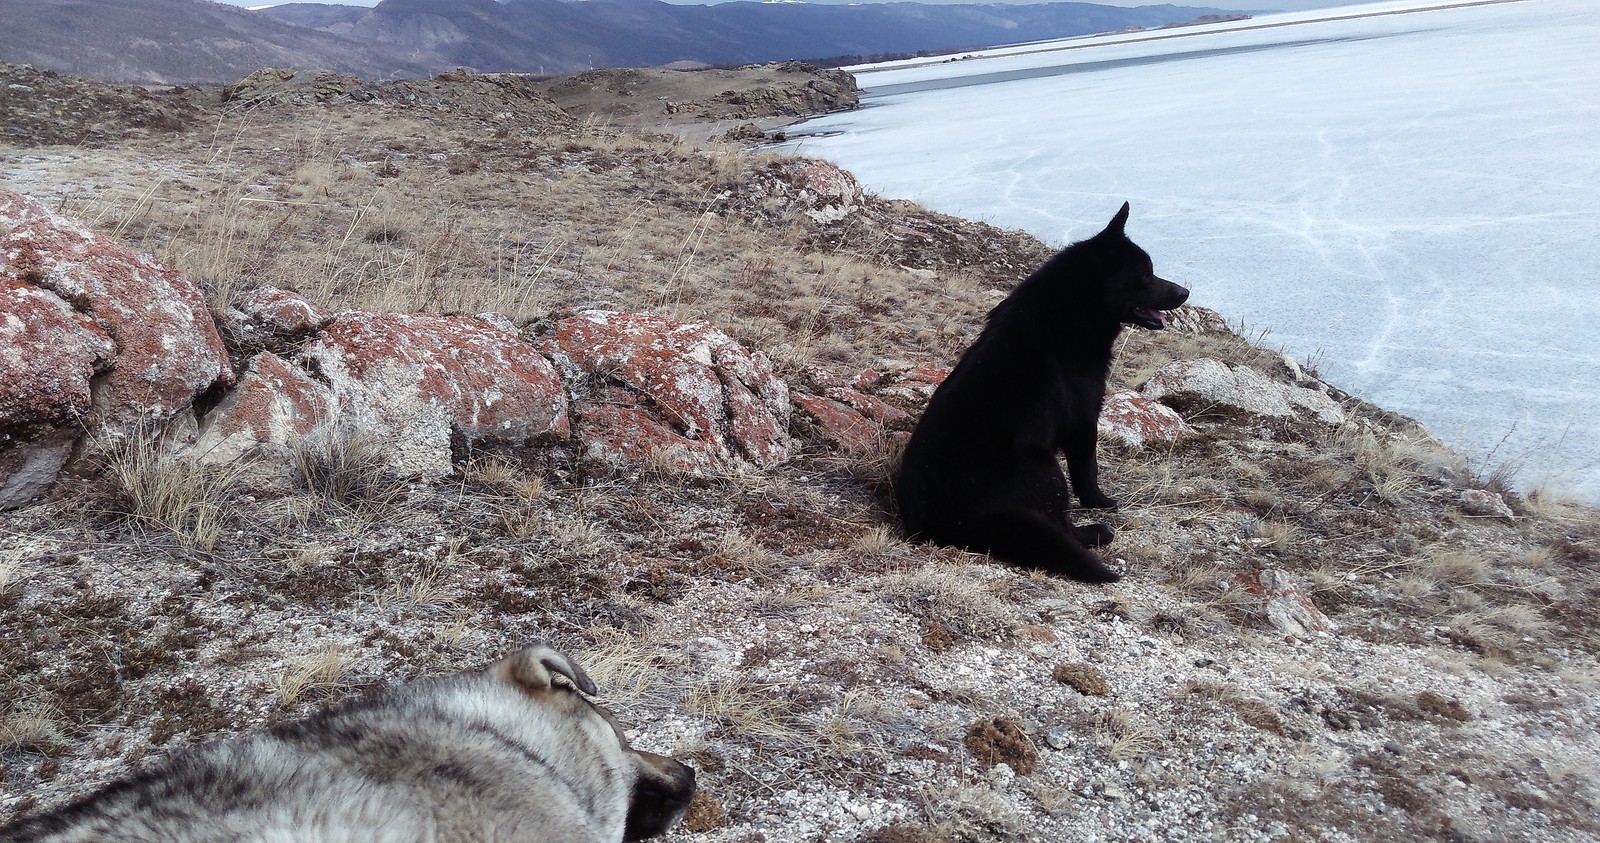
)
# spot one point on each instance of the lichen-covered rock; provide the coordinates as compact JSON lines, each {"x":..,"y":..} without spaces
{"x":421,"y":382}
{"x":722,"y":401}
{"x":167,"y":350}
{"x":844,"y":411}
{"x":1133,"y":421}
{"x":838,"y":423}
{"x":49,"y":357}
{"x":264,"y":314}
{"x":274,"y":403}
{"x":1286,"y":605}
{"x":818,"y":189}
{"x":1208,"y":384}
{"x":916,"y":384}
{"x":1485,"y":504}
{"x":1194,"y":319}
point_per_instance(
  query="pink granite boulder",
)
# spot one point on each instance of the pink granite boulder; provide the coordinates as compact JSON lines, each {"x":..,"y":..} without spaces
{"x":264,"y":315}
{"x":96,"y":340}
{"x":49,"y":358}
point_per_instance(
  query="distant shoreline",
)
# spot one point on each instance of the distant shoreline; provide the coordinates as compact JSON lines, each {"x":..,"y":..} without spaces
{"x":860,"y":70}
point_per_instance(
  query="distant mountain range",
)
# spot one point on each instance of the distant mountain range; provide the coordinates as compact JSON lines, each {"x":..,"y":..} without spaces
{"x":181,"y":41}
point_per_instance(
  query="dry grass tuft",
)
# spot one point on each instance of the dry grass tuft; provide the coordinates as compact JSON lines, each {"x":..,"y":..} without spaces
{"x":875,"y":541}
{"x":751,"y":708}
{"x":33,"y":728}
{"x":320,"y":673}
{"x":953,"y":597}
{"x":163,"y":492}
{"x":1456,"y":566}
{"x":1123,"y":735}
{"x":346,"y":467}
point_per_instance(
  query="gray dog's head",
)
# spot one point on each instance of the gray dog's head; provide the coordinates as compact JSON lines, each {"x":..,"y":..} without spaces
{"x":656,"y":790}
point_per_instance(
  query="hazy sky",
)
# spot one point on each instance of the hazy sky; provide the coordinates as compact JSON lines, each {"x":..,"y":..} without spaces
{"x":1218,"y":4}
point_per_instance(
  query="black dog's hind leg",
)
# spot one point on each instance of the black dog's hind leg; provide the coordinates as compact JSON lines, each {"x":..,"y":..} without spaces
{"x":1084,"y":468}
{"x":1031,"y":540}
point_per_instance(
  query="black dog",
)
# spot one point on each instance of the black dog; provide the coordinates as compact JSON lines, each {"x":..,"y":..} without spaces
{"x":980,"y":470}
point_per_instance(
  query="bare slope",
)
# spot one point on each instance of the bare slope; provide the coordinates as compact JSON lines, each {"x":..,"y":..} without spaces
{"x":828,"y":680}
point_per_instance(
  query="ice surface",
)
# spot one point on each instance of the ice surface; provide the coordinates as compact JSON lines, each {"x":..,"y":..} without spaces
{"x":1411,"y":201}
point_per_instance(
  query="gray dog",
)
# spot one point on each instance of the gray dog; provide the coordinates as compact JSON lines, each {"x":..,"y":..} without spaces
{"x":509,"y":753}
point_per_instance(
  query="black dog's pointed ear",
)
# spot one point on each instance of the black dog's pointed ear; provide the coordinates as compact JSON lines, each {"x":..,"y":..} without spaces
{"x":1114,"y":228}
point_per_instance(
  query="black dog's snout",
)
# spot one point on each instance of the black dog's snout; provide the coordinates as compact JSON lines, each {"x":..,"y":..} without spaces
{"x":1173,"y":294}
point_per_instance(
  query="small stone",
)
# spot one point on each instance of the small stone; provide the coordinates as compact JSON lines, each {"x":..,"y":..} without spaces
{"x":1485,"y":504}
{"x":1393,"y":748}
{"x":1058,"y":737}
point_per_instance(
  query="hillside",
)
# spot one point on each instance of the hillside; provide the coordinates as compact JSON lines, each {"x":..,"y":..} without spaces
{"x":179,"y":41}
{"x":184,"y":41}
{"x":1329,"y":628}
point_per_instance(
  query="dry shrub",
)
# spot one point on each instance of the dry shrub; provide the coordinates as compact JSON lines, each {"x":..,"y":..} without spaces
{"x":1260,"y":715}
{"x":1086,"y":678}
{"x":1447,"y":707}
{"x":705,"y":813}
{"x":1001,"y":741}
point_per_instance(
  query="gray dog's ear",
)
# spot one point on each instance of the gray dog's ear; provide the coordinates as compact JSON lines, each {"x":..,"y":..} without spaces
{"x":531,"y":669}
{"x":1118,"y":222}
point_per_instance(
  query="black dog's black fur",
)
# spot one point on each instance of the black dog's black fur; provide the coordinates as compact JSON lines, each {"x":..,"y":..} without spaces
{"x":980,"y":470}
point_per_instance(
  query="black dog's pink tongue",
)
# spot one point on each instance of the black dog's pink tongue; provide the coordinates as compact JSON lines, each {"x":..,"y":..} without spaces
{"x":1156,"y":315}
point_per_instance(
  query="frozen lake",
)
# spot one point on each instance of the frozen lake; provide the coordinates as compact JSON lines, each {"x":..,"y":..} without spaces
{"x":1409,"y":201}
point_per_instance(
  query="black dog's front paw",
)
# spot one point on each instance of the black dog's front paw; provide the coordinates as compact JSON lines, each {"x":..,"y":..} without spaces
{"x":1096,"y":499}
{"x":1094,"y":535}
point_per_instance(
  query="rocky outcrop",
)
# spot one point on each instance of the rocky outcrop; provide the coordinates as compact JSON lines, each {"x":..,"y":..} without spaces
{"x":1194,"y":319}
{"x":97,"y":337}
{"x":49,"y":358}
{"x":1485,"y":504}
{"x":1208,"y":385}
{"x":421,"y":383}
{"x":829,"y":90}
{"x":855,"y":414}
{"x":680,"y":393}
{"x":512,"y":99}
{"x":821,"y":191}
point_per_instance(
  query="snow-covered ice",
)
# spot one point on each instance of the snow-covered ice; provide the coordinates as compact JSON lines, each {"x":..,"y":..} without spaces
{"x":1411,"y":201}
